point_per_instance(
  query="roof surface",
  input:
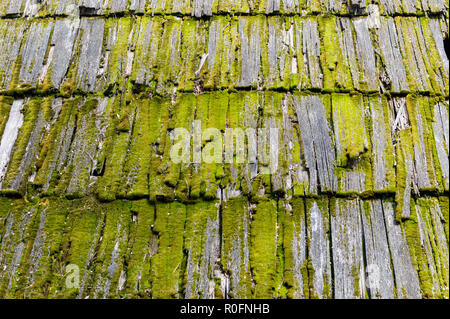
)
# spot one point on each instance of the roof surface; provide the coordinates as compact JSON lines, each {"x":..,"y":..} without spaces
{"x":91,"y":93}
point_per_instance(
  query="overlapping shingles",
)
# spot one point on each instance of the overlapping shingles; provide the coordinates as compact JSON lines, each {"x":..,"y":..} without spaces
{"x":339,"y":143}
{"x":91,"y":54}
{"x":104,"y":147}
{"x":406,"y":278}
{"x":125,"y":248}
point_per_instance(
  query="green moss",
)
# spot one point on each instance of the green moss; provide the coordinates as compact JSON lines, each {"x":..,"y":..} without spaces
{"x":263,"y":248}
{"x":438,"y":246}
{"x":118,"y":35}
{"x":335,"y":70}
{"x":183,"y":116}
{"x":356,"y":282}
{"x":81,"y":233}
{"x":166,"y":264}
{"x":160,"y":142}
{"x":43,"y":269}
{"x":293,"y":225}
{"x":111,"y":252}
{"x":134,"y":176}
{"x":444,"y":204}
{"x":349,"y":128}
{"x":214,"y":77}
{"x":139,"y":249}
{"x":418,"y":242}
{"x":235,"y":247}
{"x":5,"y":107}
{"x":145,"y":63}
{"x":281,"y":289}
{"x":420,"y":118}
{"x":231,"y":72}
{"x":168,"y":58}
{"x":194,"y":46}
{"x":112,"y":155}
{"x":75,"y":172}
{"x":434,"y":65}
{"x":15,"y":74}
{"x":213,"y":107}
{"x":47,"y":177}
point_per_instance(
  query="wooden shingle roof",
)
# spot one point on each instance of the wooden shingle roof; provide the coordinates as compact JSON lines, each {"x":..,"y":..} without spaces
{"x":91,"y":92}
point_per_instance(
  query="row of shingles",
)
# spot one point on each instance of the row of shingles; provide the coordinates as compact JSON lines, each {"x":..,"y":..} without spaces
{"x":164,"y":243}
{"x":348,"y":144}
{"x":346,"y":248}
{"x":82,"y":249}
{"x":122,"y":147}
{"x":164,"y":254}
{"x":255,"y":64}
{"x":250,"y":51}
{"x":126,"y":114}
{"x":202,"y":8}
{"x":82,"y":146}
{"x":67,"y":55}
{"x":324,"y":153}
{"x":325,"y":53}
{"x":256,"y":256}
{"x":33,"y":8}
{"x":236,"y":255}
{"x":171,"y":32}
{"x":167,"y":250}
{"x":57,"y":146}
{"x":322,"y":247}
{"x":70,"y":248}
{"x":36,"y":246}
